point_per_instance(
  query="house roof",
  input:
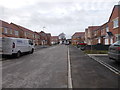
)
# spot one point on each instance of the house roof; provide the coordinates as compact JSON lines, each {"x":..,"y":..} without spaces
{"x":5,"y":24}
{"x":116,"y":6}
{"x":92,"y":28}
{"x":22,"y":28}
{"x":79,"y":34}
{"x":54,"y":37}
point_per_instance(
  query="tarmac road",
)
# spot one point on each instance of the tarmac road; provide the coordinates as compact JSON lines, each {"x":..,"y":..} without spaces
{"x":46,"y":68}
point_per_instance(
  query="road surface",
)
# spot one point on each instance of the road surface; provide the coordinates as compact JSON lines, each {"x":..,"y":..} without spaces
{"x":48,"y":68}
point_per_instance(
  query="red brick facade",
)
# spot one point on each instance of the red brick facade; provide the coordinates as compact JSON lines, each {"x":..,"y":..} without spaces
{"x":78,"y":37}
{"x":54,"y":39}
{"x":107,"y":33}
{"x":17,"y":31}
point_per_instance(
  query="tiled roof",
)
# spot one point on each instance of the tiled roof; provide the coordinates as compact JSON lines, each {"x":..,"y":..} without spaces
{"x":79,"y":34}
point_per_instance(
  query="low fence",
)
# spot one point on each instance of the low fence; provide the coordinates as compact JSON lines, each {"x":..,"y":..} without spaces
{"x":97,"y":47}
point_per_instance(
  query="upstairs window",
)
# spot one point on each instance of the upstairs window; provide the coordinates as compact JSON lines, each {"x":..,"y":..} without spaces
{"x":115,"y":23}
{"x":5,"y":30}
{"x":11,"y":31}
{"x":107,"y":29}
{"x":16,"y":33}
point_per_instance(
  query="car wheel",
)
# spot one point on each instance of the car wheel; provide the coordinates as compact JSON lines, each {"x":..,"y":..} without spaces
{"x":31,"y":51}
{"x":18,"y":54}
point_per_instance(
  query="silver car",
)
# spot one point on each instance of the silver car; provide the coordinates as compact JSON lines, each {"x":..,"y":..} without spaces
{"x":114,"y":51}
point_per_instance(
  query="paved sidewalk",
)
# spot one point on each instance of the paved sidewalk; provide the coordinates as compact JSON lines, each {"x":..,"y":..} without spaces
{"x":87,"y":73}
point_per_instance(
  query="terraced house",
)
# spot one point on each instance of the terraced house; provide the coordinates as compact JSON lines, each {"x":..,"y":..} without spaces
{"x":17,"y":31}
{"x":91,"y":35}
{"x":78,"y":37}
{"x":8,"y":30}
{"x":107,"y":33}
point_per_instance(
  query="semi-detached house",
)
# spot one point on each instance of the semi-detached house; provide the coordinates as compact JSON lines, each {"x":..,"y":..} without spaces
{"x":107,"y":33}
{"x":17,"y":31}
{"x":78,"y":37}
{"x":8,"y":30}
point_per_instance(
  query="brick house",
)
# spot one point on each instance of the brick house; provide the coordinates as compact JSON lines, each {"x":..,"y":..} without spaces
{"x":8,"y":31}
{"x":17,"y":31}
{"x":16,"y":27}
{"x":114,"y":24}
{"x":91,"y":35}
{"x":107,"y":33}
{"x":110,"y":31}
{"x":54,"y":39}
{"x":48,"y":38}
{"x":78,"y":37}
{"x":29,"y":34}
{"x":36,"y":38}
{"x":43,"y":38}
{"x":26,"y":33}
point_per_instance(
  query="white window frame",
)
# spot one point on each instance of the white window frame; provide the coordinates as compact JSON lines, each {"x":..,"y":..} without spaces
{"x":16,"y":33}
{"x":99,"y":40}
{"x":25,"y":33}
{"x":115,"y":22}
{"x":5,"y":30}
{"x":11,"y":31}
{"x":111,"y":40}
{"x":107,"y":29}
{"x":117,"y":37}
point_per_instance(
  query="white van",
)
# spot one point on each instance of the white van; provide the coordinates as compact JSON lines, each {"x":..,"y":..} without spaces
{"x":15,"y":46}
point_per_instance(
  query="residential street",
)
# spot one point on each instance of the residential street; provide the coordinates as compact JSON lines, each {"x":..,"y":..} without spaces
{"x":48,"y":68}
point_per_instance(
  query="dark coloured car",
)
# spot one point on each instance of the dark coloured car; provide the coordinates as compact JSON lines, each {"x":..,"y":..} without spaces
{"x":81,"y":45}
{"x":114,"y":51}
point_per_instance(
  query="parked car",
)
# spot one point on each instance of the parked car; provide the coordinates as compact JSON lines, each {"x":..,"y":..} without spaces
{"x":81,"y":45}
{"x":16,"y":46}
{"x":114,"y":51}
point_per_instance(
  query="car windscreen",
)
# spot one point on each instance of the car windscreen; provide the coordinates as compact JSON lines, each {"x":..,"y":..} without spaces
{"x":117,"y":43}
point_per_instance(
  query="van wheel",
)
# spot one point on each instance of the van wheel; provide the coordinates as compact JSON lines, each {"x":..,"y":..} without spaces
{"x":18,"y":54}
{"x":31,"y":51}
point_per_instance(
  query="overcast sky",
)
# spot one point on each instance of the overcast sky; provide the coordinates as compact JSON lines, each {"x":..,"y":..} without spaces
{"x":67,"y":16}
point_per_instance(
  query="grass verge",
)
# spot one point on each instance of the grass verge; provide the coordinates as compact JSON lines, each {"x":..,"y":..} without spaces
{"x":96,"y":51}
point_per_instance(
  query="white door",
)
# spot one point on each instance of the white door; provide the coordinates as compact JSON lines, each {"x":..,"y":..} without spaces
{"x":111,"y":40}
{"x":99,"y":40}
{"x":106,"y":41}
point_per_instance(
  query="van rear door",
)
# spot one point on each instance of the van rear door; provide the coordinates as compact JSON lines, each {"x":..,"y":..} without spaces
{"x":7,"y":46}
{"x":1,"y":45}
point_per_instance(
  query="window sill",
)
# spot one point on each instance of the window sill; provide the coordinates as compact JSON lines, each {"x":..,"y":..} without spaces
{"x":115,"y":27}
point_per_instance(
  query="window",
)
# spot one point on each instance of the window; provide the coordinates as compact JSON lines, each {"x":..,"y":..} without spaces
{"x":118,"y":37}
{"x":5,"y":30}
{"x":107,"y":29}
{"x":115,"y":23}
{"x":10,"y":31}
{"x":16,"y":33}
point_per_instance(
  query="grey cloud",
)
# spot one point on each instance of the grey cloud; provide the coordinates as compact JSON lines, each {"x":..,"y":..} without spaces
{"x":59,"y":17}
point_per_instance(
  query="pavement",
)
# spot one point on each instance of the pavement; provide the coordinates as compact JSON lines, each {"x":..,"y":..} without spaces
{"x":87,"y":73}
{"x":104,"y":58}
